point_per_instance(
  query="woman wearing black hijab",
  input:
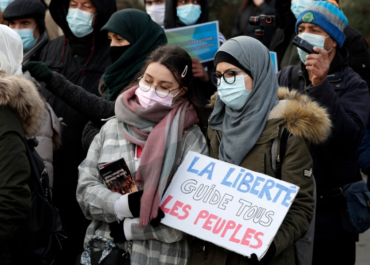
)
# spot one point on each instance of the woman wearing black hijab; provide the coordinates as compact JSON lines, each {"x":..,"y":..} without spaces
{"x":133,"y":36}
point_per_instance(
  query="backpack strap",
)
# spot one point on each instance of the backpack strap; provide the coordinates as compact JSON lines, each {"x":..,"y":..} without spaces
{"x":278,"y":150}
{"x":38,"y":168}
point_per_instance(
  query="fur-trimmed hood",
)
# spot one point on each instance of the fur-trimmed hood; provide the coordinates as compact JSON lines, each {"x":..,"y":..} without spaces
{"x":22,"y":95}
{"x":303,"y":116}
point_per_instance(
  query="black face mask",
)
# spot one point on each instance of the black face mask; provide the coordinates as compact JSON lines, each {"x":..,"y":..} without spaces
{"x":117,"y":51}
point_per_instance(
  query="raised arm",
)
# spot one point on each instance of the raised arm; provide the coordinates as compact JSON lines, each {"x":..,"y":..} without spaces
{"x":92,"y":107}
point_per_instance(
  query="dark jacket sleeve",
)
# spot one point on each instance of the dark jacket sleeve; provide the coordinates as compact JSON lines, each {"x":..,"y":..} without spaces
{"x":359,"y":56}
{"x":286,"y":28}
{"x":90,"y":106}
{"x":364,"y":150}
{"x":284,"y":15}
{"x":235,"y":30}
{"x":15,"y":195}
{"x":296,"y":222}
{"x":348,"y":112}
{"x":284,"y":76}
{"x":91,"y":129}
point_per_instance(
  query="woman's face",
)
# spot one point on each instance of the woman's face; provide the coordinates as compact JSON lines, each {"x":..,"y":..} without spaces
{"x":117,"y":40}
{"x":158,"y":76}
{"x":223,"y":67}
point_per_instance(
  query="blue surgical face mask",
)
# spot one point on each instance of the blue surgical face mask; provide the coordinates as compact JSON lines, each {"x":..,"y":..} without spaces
{"x":298,"y":6}
{"x":80,"y":22}
{"x":4,"y":4}
{"x":313,"y":39}
{"x":27,"y":38}
{"x":189,"y":14}
{"x":234,"y":95}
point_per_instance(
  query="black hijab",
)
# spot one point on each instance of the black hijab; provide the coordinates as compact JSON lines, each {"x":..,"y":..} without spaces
{"x":144,"y":36}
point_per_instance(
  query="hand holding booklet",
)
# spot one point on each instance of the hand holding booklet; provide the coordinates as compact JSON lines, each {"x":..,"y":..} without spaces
{"x":117,"y":176}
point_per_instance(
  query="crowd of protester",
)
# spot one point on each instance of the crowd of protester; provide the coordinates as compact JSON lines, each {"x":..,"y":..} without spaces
{"x":90,"y":84}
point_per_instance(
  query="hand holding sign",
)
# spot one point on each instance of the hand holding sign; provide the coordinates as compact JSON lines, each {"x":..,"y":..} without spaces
{"x":238,"y":209}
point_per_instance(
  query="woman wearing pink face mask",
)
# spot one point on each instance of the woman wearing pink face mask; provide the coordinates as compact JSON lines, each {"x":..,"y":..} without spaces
{"x":156,"y":124}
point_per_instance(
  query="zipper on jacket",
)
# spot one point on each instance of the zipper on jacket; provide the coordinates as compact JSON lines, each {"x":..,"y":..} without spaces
{"x":300,"y":74}
{"x":278,"y":150}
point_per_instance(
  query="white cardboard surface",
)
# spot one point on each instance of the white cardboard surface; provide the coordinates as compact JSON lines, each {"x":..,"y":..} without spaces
{"x":230,"y":206}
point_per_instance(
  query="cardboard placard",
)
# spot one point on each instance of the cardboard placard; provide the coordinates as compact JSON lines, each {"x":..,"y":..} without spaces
{"x":274,"y":60}
{"x":230,"y":206}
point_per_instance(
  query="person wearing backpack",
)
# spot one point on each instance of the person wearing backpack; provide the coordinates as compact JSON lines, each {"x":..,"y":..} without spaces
{"x":21,"y":113}
{"x":249,"y":113}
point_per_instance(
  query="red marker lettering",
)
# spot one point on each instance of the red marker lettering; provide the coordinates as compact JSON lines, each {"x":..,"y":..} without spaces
{"x":229,"y":225}
{"x":186,"y":210}
{"x":248,"y":234}
{"x":175,"y":207}
{"x":202,"y":214}
{"x":259,"y":244}
{"x":209,"y":222}
{"x":166,"y":210}
{"x":232,"y":238}
{"x":217,"y":228}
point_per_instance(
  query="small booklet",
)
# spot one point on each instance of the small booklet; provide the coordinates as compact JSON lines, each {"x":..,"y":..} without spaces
{"x":117,"y":176}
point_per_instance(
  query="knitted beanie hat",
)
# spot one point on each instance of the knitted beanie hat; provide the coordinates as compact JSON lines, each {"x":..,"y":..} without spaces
{"x":327,"y":16}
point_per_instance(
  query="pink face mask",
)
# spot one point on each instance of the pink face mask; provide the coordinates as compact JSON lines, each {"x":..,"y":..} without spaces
{"x":149,"y":98}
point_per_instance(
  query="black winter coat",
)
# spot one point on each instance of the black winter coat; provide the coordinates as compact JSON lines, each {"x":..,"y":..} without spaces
{"x":345,"y":95}
{"x":77,"y":68}
{"x":242,"y":27}
{"x":82,"y":61}
{"x":355,"y":43}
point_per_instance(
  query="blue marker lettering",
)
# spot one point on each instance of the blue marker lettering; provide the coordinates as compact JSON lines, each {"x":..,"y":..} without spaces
{"x":266,"y":189}
{"x":190,"y":169}
{"x":224,"y":181}
{"x":281,"y":188}
{"x":208,"y":170}
{"x":256,"y":184}
{"x":288,"y":197}
{"x":246,"y":182}
{"x":238,"y":177}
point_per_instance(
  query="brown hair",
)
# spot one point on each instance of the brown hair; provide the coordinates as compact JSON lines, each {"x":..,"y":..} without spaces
{"x":178,"y":61}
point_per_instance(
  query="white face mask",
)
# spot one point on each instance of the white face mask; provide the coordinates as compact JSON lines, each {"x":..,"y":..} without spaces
{"x":156,"y":12}
{"x":299,"y":5}
{"x":313,"y":39}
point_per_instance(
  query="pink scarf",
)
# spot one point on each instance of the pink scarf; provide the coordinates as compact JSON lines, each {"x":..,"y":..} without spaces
{"x":158,"y":130}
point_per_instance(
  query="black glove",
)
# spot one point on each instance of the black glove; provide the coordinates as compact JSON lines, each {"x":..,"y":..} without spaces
{"x":116,"y":232}
{"x":134,"y":202}
{"x":39,"y":71}
{"x":266,"y":259}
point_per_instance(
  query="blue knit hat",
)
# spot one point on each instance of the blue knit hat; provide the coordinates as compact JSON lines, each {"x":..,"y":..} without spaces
{"x":328,"y":17}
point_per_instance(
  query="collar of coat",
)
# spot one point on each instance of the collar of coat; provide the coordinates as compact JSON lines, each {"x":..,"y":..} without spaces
{"x":303,"y":117}
{"x":23,"y":96}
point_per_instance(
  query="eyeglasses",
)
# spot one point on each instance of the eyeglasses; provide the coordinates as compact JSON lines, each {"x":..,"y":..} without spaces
{"x":161,"y":91}
{"x":229,"y":77}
